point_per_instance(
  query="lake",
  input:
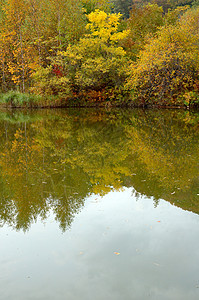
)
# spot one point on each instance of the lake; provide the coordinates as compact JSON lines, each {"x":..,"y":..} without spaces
{"x":99,"y":204}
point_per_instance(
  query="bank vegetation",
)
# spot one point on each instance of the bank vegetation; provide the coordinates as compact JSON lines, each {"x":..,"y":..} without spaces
{"x":86,"y":53}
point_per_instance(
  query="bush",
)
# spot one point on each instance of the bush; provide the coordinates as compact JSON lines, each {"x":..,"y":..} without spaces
{"x":167,"y":67}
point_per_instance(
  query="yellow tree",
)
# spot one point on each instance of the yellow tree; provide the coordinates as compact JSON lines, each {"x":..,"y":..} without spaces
{"x":5,"y":50}
{"x":168,"y":66}
{"x":98,"y":61}
{"x":52,"y":25}
{"x":22,"y":57}
{"x":3,"y":53}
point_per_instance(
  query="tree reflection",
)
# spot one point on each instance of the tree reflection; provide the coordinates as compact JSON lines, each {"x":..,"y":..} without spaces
{"x":51,"y":161}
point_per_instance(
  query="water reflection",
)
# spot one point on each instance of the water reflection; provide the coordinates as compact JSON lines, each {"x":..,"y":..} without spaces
{"x":51,"y":161}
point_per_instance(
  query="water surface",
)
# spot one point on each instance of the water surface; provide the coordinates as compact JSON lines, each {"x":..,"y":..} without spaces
{"x":99,"y":204}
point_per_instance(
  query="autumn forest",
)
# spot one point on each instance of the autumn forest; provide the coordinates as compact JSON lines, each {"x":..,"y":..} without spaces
{"x":98,"y":52}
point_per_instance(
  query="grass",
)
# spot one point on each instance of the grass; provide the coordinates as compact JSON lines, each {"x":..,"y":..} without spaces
{"x":17,"y":99}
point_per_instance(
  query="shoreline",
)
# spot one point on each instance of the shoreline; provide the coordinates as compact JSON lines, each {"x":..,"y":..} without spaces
{"x":18,"y":100}
{"x":109,"y":106}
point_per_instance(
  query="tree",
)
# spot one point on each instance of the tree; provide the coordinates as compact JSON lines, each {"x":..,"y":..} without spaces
{"x":168,"y":66}
{"x":91,"y":5}
{"x":144,"y":21}
{"x":97,"y":61}
{"x":19,"y":58}
{"x":31,"y":33}
{"x":55,"y":24}
{"x":122,"y":6}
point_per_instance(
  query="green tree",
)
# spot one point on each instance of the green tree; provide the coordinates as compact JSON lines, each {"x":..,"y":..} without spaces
{"x":91,"y":5}
{"x":122,"y":6}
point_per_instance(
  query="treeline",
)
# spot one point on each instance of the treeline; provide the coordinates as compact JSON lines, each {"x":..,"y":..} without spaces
{"x":86,"y":51}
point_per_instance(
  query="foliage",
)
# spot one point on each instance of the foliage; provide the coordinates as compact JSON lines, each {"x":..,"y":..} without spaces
{"x":77,"y":49}
{"x":104,"y":60}
{"x":173,"y":15}
{"x":33,"y":31}
{"x":49,"y":82}
{"x":96,"y":62}
{"x":17,"y":53}
{"x":91,"y":5}
{"x":168,"y":66}
{"x":122,"y":6}
{"x":143,"y":22}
